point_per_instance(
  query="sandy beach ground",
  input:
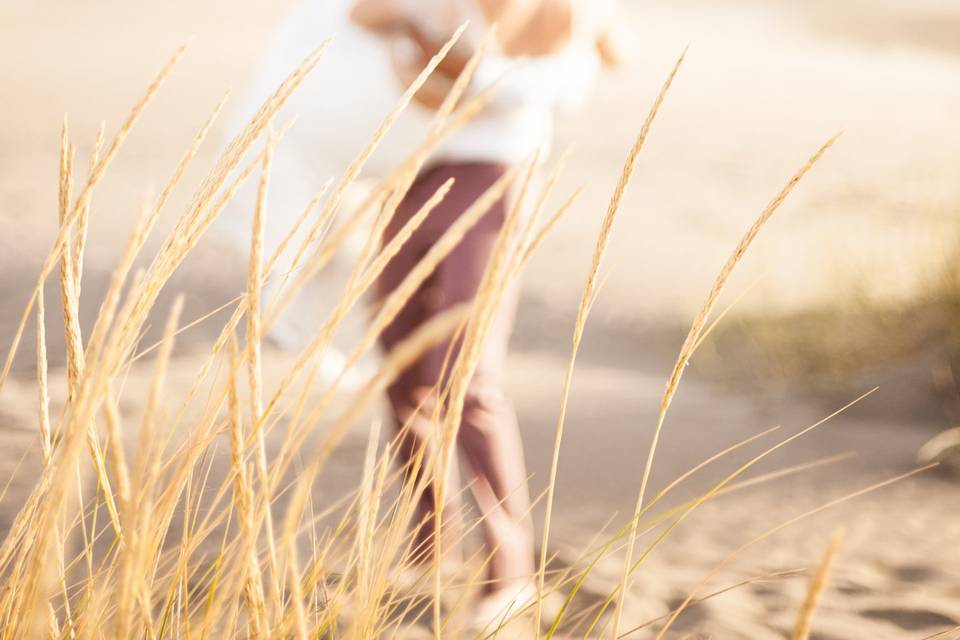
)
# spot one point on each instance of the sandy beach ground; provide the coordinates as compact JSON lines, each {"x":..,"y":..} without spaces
{"x":763,"y":86}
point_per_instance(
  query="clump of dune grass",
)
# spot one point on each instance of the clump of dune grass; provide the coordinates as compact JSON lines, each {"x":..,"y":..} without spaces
{"x":133,"y":558}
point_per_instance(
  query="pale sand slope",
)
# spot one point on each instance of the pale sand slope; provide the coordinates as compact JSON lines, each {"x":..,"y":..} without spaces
{"x":762,"y":87}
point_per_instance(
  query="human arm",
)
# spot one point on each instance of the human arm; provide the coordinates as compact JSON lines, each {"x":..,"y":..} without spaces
{"x":392,"y":18}
{"x":379,"y":16}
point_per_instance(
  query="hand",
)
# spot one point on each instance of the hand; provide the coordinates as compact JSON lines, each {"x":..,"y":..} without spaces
{"x":613,"y":47}
{"x":452,"y":64}
{"x":409,"y":58}
{"x":411,"y":52}
{"x":379,"y":16}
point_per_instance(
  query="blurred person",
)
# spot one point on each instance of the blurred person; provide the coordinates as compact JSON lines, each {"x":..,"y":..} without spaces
{"x":545,"y":56}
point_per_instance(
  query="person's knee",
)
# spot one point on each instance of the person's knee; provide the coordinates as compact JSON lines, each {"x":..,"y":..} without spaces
{"x":486,"y":409}
{"x":413,"y":406}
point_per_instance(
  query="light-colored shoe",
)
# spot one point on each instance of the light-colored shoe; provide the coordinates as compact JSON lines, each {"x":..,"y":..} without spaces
{"x":285,"y":336}
{"x":419,"y":578}
{"x":495,"y":610}
{"x":943,"y":448}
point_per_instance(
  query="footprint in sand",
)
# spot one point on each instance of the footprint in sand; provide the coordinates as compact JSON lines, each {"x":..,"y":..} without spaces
{"x":910,"y":619}
{"x":695,"y":616}
{"x":915,"y":573}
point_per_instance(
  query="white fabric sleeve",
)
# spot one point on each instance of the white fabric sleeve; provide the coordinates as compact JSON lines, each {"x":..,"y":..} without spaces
{"x":558,"y":81}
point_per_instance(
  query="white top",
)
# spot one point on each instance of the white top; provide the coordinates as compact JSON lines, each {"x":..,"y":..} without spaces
{"x":531,"y":90}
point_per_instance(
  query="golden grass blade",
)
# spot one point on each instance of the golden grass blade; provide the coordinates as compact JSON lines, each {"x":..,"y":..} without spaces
{"x":46,"y":449}
{"x":177,"y":177}
{"x":83,"y":220}
{"x":46,"y":445}
{"x":367,"y":522}
{"x":54,"y":629}
{"x":296,"y":594}
{"x":69,"y":300}
{"x":462,"y":82}
{"x":693,"y":339}
{"x":818,"y":583}
{"x":118,"y":456}
{"x":320,"y":258}
{"x":244,"y":499}
{"x":254,"y":365}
